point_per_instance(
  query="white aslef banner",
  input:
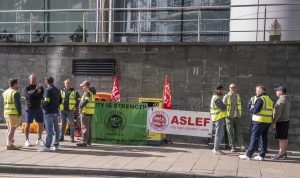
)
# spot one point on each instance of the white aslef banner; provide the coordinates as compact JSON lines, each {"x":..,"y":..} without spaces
{"x":178,"y":122}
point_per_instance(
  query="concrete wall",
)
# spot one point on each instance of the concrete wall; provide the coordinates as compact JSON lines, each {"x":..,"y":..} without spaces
{"x":193,"y":69}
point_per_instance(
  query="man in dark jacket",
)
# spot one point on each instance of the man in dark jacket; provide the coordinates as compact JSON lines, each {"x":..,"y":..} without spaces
{"x":87,"y":110}
{"x":51,"y":102}
{"x":34,"y":94}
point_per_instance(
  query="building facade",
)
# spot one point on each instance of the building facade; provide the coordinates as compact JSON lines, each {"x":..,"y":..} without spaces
{"x":256,"y":23}
{"x":172,"y":25}
{"x":113,"y":26}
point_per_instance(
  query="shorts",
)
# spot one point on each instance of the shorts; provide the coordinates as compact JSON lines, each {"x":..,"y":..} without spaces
{"x":12,"y":120}
{"x":34,"y":114}
{"x":282,"y":129}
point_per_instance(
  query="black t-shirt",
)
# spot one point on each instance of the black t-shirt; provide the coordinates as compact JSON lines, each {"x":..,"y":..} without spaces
{"x":33,"y":97}
{"x":52,"y":100}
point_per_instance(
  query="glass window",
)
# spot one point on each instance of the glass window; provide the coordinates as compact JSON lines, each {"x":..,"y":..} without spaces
{"x":170,"y":26}
{"x":68,"y":26}
{"x":15,"y":26}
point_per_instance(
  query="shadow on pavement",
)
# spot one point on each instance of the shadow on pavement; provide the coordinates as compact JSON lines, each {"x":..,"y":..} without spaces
{"x":128,"y":148}
{"x":93,"y":152}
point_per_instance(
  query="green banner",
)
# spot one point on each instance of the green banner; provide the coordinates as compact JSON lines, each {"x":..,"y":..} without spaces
{"x":120,"y":123}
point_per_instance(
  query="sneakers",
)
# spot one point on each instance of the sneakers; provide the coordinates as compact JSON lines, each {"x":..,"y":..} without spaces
{"x":258,"y":158}
{"x":27,"y":143}
{"x":12,"y":147}
{"x":285,"y":156}
{"x":72,"y":140}
{"x":233,"y":149}
{"x":40,"y":142}
{"x":54,"y":148}
{"x":218,"y":152}
{"x":244,"y":157}
{"x":43,"y":149}
{"x":243,"y":149}
{"x":279,"y":157}
{"x":81,"y":144}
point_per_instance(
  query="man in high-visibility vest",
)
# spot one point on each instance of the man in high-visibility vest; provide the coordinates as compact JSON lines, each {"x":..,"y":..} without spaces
{"x":218,"y":115}
{"x":261,"y":108}
{"x":232,"y":100}
{"x":12,"y":111}
{"x":87,"y":110}
{"x":70,"y":100}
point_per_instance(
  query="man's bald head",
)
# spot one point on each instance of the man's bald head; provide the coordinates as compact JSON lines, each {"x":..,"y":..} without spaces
{"x":68,"y":84}
{"x":32,"y":79}
{"x":232,"y":88}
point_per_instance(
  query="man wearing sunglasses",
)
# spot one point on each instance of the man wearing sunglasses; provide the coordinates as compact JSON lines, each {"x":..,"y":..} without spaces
{"x":232,"y":100}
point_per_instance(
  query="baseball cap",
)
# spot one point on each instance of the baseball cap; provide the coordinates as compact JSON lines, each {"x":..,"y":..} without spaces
{"x":85,"y":82}
{"x":280,"y":88}
{"x":219,"y":87}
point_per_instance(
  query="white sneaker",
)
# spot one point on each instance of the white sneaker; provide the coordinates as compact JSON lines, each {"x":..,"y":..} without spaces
{"x":218,"y":152}
{"x":43,"y":149}
{"x":27,"y":143}
{"x":258,"y":158}
{"x":54,"y":148}
{"x":245,"y":157}
{"x":40,"y":142}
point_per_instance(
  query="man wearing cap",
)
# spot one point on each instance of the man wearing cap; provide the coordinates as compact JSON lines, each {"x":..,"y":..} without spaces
{"x":261,"y":108}
{"x":233,"y":122}
{"x":218,"y":115}
{"x":87,"y":110}
{"x":281,"y":114}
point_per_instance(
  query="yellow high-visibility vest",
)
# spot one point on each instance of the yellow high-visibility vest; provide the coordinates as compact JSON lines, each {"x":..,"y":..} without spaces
{"x":215,"y":112}
{"x":72,"y":100}
{"x":266,"y":113}
{"x":9,"y":102}
{"x":90,"y":107}
{"x":238,"y":104}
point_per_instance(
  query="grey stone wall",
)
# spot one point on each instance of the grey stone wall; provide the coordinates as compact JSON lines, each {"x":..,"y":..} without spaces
{"x":193,"y":69}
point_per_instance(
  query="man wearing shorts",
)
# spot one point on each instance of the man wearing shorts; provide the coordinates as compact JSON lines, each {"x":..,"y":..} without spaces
{"x":34,"y":94}
{"x":280,"y":124}
{"x":12,"y":111}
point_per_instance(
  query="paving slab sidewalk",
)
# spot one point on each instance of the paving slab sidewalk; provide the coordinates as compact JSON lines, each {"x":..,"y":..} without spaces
{"x":174,"y":160}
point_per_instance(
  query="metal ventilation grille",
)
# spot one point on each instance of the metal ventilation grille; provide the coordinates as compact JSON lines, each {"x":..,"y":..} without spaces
{"x":93,"y":67}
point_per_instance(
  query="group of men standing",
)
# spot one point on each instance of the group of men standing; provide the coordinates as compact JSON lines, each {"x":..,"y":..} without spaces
{"x":46,"y":106}
{"x":228,"y":109}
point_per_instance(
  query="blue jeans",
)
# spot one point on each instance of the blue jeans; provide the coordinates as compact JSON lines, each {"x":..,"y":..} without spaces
{"x":259,"y":130}
{"x":51,"y":124}
{"x":64,"y":115}
{"x":219,"y":133}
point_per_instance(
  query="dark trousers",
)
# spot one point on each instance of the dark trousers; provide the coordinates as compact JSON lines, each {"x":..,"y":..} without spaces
{"x":259,"y":130}
{"x":86,"y":127}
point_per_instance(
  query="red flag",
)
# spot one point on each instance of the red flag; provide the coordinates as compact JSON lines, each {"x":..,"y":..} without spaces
{"x":115,"y":94}
{"x":167,"y":95}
